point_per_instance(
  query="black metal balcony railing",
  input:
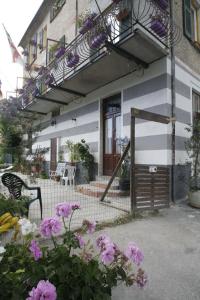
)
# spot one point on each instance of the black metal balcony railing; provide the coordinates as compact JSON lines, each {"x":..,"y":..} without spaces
{"x":121,"y":19}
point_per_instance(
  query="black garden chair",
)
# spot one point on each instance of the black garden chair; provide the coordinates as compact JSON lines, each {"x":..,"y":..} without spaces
{"x":15,"y":184}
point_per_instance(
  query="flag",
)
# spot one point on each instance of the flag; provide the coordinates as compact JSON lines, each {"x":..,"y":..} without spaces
{"x":15,"y":54}
{"x":1,"y":95}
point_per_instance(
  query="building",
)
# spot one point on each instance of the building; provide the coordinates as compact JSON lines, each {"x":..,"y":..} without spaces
{"x":103,"y":57}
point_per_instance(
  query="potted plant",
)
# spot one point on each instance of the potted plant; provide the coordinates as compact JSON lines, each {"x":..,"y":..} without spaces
{"x":162,"y":3}
{"x":42,"y":70}
{"x":122,"y":15}
{"x":67,"y":265}
{"x":193,"y":150}
{"x":49,"y":79}
{"x":124,"y":176}
{"x":98,"y":39}
{"x":86,"y":22}
{"x":72,"y":59}
{"x":158,"y":26}
{"x":72,"y":148}
{"x":59,"y":52}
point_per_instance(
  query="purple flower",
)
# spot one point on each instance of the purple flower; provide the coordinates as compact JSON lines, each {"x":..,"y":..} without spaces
{"x":80,"y":240}
{"x":63,"y":209}
{"x":75,"y":206}
{"x":90,"y":226}
{"x":50,"y":227}
{"x":102,"y":241}
{"x":45,"y":290}
{"x":107,"y":256}
{"x":35,"y":250}
{"x":134,"y":254}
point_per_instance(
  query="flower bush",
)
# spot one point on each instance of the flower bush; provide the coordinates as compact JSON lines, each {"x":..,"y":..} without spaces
{"x":71,"y":267}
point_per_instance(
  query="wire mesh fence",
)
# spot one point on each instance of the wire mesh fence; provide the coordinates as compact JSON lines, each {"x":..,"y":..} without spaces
{"x":55,"y":190}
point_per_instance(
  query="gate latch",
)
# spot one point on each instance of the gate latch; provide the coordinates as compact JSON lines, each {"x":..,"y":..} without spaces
{"x":152,"y":169}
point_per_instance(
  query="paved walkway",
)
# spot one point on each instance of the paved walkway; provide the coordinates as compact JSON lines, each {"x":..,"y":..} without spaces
{"x":171,"y":245}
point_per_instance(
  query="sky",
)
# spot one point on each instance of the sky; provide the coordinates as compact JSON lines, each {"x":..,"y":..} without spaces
{"x":16,"y":15}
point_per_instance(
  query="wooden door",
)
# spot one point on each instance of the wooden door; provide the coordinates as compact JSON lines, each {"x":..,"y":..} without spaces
{"x":53,"y":162}
{"x":112,"y":135}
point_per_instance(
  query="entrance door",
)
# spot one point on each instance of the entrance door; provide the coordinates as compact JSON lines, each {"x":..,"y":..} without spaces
{"x":112,"y":133}
{"x":53,"y":162}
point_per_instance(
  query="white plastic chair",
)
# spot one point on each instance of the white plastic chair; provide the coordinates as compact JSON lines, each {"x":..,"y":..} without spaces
{"x":70,"y":172}
{"x":60,"y":171}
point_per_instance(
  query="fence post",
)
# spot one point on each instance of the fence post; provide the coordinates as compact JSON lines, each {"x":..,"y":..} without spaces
{"x":132,"y":171}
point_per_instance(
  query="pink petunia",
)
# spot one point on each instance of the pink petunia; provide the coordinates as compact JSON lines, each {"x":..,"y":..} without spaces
{"x":44,"y":290}
{"x":63,"y":209}
{"x":35,"y":250}
{"x":134,"y":254}
{"x":50,"y":227}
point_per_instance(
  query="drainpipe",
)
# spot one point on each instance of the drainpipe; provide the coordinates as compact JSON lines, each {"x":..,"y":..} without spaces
{"x":173,"y":106}
{"x":76,"y":24}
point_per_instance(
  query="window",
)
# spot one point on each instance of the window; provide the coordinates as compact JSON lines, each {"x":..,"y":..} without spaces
{"x":33,"y":49}
{"x":42,"y":43}
{"x":56,"y":9}
{"x":192,"y":20}
{"x":196,"y":105}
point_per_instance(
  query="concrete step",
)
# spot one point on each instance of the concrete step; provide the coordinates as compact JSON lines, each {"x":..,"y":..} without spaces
{"x":103,"y":184}
{"x":106,"y":178}
{"x":94,"y":191}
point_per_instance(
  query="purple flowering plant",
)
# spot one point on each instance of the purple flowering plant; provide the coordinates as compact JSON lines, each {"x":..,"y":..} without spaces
{"x":71,"y":266}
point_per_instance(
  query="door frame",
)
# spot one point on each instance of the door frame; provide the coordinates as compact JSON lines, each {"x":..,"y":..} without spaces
{"x":102,"y":127}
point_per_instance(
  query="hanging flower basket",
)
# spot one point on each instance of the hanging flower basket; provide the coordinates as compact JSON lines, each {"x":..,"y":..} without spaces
{"x":72,"y":60}
{"x":162,"y":3}
{"x":35,"y":92}
{"x":122,"y":15}
{"x":158,"y":26}
{"x":30,"y":83}
{"x":49,"y":79}
{"x":42,"y":70}
{"x":87,"y":24}
{"x":60,"y":52}
{"x":36,"y":68}
{"x":98,"y":40}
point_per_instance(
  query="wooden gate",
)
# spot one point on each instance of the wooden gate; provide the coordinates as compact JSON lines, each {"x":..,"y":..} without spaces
{"x":150,"y":185}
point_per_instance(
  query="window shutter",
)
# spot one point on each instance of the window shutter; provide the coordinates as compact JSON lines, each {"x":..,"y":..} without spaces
{"x":187,"y":18}
{"x":62,"y":41}
{"x":198,"y":24}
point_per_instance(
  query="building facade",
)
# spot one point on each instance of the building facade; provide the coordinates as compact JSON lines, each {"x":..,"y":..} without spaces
{"x":102,"y":58}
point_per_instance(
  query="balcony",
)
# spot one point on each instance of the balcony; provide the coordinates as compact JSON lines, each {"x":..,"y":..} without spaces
{"x":124,"y":37}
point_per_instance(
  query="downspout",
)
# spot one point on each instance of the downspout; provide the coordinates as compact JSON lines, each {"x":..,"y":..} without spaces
{"x":76,"y":24}
{"x":173,"y":106}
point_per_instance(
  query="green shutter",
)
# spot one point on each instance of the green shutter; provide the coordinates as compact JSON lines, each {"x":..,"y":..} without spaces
{"x":187,"y":18}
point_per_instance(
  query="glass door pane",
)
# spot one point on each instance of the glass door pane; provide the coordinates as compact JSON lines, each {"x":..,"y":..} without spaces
{"x":118,"y":134}
{"x":108,"y":135}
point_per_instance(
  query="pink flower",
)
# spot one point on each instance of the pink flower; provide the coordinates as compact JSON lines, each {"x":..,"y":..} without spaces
{"x":45,"y":290}
{"x":35,"y":250}
{"x":50,"y":227}
{"x":134,"y":254}
{"x":75,"y":206}
{"x":80,"y":240}
{"x":90,"y":226}
{"x":63,"y":209}
{"x":102,"y":241}
{"x":107,"y":256}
